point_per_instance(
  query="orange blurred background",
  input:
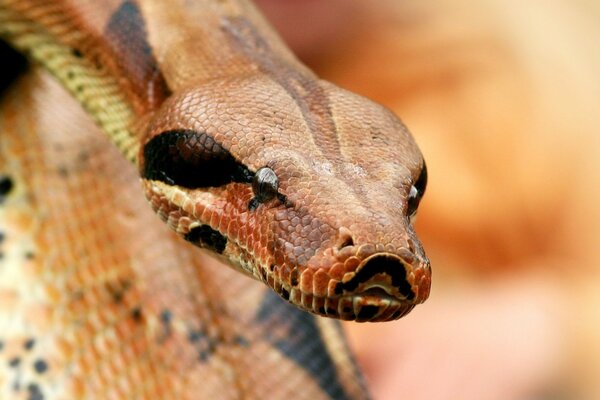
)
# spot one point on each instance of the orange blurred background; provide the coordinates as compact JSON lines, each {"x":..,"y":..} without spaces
{"x":504,"y":100}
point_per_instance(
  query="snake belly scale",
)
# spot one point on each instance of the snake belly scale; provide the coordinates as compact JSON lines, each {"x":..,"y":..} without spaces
{"x":244,"y":153}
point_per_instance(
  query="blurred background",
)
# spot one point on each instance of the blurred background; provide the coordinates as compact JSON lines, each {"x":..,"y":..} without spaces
{"x":504,"y":99}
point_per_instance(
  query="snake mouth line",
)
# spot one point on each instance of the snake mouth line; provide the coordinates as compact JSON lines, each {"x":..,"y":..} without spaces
{"x":372,"y":305}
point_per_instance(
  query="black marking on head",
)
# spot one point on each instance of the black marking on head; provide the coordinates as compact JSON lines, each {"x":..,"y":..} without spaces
{"x":390,"y":266}
{"x":192,"y":160}
{"x":40,"y":366}
{"x":6,"y":186}
{"x":301,"y":343}
{"x":13,"y":65}
{"x":14,"y":362}
{"x":207,"y":238}
{"x":126,"y":35}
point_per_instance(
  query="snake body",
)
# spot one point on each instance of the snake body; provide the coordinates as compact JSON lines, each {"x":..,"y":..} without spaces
{"x":243,"y":152}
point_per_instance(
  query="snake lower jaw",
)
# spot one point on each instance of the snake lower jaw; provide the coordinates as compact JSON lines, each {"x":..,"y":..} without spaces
{"x":372,"y":305}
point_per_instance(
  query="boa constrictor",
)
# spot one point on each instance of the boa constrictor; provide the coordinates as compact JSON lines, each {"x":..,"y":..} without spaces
{"x":243,"y":152}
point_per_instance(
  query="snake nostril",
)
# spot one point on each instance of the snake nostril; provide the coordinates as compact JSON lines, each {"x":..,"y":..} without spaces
{"x":347,"y":242}
{"x":345,"y":238}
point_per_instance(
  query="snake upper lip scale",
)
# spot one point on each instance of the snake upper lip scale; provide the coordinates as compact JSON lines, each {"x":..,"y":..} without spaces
{"x":384,"y":286}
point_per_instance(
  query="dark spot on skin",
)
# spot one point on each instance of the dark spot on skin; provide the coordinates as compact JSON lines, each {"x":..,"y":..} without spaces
{"x":14,"y":362}
{"x":396,"y":314}
{"x":203,"y":356}
{"x":40,"y":366}
{"x":166,"y":317}
{"x":196,"y":335}
{"x":117,"y":289}
{"x":192,"y":160}
{"x":204,"y":344}
{"x":29,"y":255}
{"x":285,"y":294}
{"x":321,"y":310}
{"x":272,"y":267}
{"x":367,"y":312}
{"x":206,"y":237}
{"x":29,"y":343}
{"x":346,"y":309}
{"x":6,"y":185}
{"x":63,"y":171}
{"x":241,"y":341}
{"x":77,"y":53}
{"x":331,"y":311}
{"x":2,"y":237}
{"x":136,"y":314}
{"x":34,"y":392}
{"x":83,"y":157}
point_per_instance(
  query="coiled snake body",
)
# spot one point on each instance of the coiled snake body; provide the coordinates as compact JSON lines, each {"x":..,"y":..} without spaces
{"x":241,"y":151}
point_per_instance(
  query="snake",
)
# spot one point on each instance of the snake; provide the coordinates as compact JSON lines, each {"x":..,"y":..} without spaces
{"x":115,"y":112}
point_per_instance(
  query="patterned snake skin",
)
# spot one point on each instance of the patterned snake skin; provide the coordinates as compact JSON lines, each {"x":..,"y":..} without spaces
{"x":243,"y":152}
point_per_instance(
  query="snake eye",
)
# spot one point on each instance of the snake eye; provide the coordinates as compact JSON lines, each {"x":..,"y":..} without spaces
{"x":264,"y":185}
{"x":416,"y":192}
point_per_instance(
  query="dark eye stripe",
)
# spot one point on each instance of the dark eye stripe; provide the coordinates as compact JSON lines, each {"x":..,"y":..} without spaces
{"x":191,"y":159}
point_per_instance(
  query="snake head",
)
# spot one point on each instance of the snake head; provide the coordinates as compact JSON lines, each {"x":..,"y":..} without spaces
{"x":300,"y":184}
